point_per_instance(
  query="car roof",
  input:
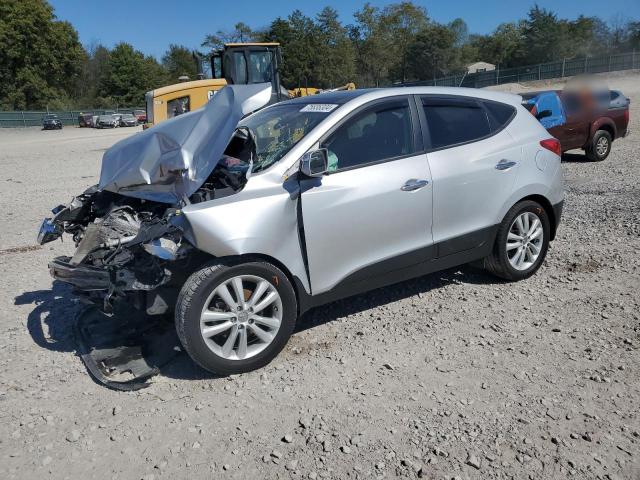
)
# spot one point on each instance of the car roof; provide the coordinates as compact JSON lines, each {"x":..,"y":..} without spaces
{"x":343,"y":97}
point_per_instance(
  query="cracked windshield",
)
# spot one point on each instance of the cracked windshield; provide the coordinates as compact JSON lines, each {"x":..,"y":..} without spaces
{"x":277,"y":129}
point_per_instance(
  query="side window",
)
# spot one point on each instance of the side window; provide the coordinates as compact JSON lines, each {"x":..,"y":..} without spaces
{"x":451,"y":122}
{"x":500,"y":114}
{"x":381,"y":132}
{"x":177,"y":106}
{"x":216,"y":66}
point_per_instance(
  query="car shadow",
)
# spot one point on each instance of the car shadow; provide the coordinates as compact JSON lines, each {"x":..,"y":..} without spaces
{"x":574,"y":158}
{"x":56,"y":310}
{"x":393,"y":293}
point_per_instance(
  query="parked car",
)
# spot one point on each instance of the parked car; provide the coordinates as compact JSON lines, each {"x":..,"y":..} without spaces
{"x":107,"y":121}
{"x":579,"y":120}
{"x":51,"y":122}
{"x":128,"y":120}
{"x":94,"y":120}
{"x":251,"y":221}
{"x":85,"y":120}
{"x":141,"y":115}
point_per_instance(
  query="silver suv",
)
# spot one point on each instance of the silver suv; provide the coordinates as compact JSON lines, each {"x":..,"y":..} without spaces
{"x":240,"y":223}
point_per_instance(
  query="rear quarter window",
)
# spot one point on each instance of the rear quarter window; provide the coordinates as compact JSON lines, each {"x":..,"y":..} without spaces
{"x":500,"y":114}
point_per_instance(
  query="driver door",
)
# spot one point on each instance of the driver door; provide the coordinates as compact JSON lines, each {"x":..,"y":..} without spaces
{"x":371,"y":213}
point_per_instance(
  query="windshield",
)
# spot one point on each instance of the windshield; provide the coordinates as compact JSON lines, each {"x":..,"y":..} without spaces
{"x":277,"y":129}
{"x":127,"y":116}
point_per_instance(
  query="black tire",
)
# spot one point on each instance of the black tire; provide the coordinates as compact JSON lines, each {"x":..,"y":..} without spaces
{"x":195,"y":293}
{"x":498,"y":262}
{"x":592,"y":150}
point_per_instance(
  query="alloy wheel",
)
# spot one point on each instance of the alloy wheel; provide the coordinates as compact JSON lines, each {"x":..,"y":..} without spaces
{"x":602,"y":145}
{"x":524,"y":241}
{"x":241,"y":317}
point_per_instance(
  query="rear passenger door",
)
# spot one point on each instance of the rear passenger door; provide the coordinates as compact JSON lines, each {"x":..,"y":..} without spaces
{"x":473,"y":164}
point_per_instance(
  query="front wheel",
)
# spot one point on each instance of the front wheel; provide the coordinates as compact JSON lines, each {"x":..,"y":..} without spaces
{"x":235,"y":317}
{"x":521,"y":243}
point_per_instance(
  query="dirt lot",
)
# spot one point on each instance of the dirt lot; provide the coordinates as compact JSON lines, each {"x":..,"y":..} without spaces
{"x":454,"y":375}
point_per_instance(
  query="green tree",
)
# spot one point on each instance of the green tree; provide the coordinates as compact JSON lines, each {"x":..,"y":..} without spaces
{"x":129,"y":75}
{"x":241,"y":33}
{"x":632,"y":41}
{"x":333,"y":55}
{"x":374,"y":55}
{"x":401,"y":23}
{"x":460,"y":30}
{"x":179,"y":61}
{"x":299,"y":38}
{"x":588,"y":36}
{"x":504,"y":47}
{"x":40,"y":57}
{"x":94,"y":70}
{"x":432,"y":53}
{"x":382,"y":38}
{"x":545,"y":37}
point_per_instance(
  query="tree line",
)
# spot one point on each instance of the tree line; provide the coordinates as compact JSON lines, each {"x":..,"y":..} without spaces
{"x":43,"y":64}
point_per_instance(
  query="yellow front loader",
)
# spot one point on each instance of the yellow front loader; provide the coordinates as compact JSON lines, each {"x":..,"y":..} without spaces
{"x":236,"y":63}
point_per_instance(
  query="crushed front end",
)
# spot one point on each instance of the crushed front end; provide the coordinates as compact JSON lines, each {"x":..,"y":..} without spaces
{"x":134,"y":245}
{"x":130,"y":234}
{"x":126,"y":249}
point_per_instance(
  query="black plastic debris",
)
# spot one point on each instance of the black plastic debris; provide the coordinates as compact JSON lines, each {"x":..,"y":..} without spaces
{"x":123,"y":351}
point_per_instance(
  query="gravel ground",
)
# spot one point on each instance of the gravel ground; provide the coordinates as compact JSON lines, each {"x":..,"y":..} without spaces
{"x":454,"y":375}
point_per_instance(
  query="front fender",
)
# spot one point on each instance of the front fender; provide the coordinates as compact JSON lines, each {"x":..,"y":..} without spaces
{"x":258,"y":222}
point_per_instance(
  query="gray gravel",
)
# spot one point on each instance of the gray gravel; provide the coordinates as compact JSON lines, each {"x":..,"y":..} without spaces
{"x":454,"y":375}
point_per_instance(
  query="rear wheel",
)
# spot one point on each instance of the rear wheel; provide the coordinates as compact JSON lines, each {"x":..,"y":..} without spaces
{"x":599,"y":147}
{"x":521,"y":242}
{"x":234,"y":318}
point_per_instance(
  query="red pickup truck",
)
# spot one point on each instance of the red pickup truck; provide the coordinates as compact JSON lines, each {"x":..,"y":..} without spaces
{"x":579,"y":120}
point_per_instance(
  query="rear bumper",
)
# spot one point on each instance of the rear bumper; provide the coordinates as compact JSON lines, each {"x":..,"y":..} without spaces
{"x":82,"y":277}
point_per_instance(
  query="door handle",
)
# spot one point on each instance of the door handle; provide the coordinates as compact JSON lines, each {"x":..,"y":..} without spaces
{"x":414,"y":184}
{"x":505,"y":164}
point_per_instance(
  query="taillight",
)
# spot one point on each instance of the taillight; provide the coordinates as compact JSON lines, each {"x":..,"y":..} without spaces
{"x":553,"y":145}
{"x":626,"y":115}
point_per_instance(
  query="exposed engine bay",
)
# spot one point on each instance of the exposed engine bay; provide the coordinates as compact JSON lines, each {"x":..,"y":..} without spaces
{"x":136,"y":250}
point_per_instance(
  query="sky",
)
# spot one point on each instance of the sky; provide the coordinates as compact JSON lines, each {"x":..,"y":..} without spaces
{"x":151,"y":25}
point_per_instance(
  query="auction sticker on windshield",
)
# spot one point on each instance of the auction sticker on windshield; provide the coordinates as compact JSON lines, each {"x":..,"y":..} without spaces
{"x":319,"y":107}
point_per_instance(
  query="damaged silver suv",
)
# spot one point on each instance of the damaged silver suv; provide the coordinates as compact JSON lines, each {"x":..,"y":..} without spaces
{"x":240,"y":223}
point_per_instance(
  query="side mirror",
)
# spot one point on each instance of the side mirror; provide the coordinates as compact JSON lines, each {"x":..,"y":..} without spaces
{"x":544,"y":114}
{"x":314,"y":163}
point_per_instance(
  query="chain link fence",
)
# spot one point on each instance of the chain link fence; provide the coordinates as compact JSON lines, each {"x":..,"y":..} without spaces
{"x":544,"y":71}
{"x":67,"y":117}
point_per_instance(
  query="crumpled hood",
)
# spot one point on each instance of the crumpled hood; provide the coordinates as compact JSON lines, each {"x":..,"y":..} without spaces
{"x":172,"y":160}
